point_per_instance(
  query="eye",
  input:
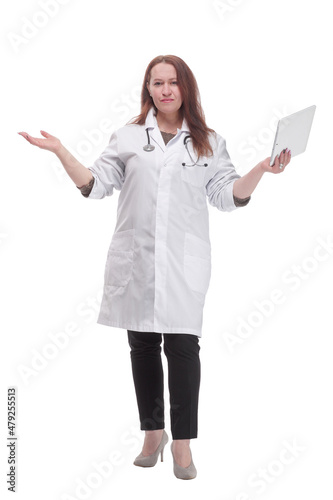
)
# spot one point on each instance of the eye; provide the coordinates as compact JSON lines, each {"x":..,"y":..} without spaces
{"x":157,"y":83}
{"x":175,"y":83}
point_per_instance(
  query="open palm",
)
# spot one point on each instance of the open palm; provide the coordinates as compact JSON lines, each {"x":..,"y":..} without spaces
{"x":50,"y":142}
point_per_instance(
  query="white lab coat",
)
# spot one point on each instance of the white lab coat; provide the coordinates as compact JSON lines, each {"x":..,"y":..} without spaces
{"x":158,"y":264}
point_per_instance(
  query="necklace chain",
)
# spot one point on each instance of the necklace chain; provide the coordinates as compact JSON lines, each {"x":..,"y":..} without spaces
{"x":173,"y":132}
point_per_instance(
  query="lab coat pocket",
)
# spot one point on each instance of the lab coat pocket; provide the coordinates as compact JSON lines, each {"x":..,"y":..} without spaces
{"x":119,"y":266}
{"x":195,"y":175}
{"x":197,"y":263}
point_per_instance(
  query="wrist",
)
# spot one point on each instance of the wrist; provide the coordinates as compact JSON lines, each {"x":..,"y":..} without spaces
{"x":58,"y":149}
{"x":261,"y":167}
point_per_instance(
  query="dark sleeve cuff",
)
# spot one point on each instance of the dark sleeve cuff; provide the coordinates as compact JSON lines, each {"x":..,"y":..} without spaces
{"x":86,"y":189}
{"x":241,"y":202}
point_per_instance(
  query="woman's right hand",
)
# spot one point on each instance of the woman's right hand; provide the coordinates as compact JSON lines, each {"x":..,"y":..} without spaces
{"x":51,"y":143}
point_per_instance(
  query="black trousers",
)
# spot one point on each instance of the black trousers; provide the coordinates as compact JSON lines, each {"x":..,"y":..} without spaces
{"x":182,"y":352}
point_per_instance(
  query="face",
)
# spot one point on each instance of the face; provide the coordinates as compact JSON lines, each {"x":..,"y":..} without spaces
{"x":164,"y":88}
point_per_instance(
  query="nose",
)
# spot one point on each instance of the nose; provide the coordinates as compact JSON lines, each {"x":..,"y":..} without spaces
{"x":166,"y":89}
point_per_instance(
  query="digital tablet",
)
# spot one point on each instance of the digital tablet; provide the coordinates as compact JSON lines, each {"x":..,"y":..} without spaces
{"x":293,"y":132}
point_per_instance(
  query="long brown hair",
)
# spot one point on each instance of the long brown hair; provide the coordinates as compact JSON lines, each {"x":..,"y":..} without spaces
{"x":190,"y":109}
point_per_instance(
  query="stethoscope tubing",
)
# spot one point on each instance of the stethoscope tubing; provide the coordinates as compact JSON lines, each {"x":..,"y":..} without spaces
{"x":149,"y":147}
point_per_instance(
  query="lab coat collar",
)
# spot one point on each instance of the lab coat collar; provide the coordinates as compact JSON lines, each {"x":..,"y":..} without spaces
{"x":151,"y":122}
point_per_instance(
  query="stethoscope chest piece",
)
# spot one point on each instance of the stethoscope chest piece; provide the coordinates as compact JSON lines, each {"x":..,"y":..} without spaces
{"x":148,"y":147}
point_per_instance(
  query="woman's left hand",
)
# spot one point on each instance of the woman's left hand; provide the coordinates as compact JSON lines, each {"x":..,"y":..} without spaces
{"x":283,"y":159}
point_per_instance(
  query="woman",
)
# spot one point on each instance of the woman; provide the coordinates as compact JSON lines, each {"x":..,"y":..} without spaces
{"x":165,"y":162}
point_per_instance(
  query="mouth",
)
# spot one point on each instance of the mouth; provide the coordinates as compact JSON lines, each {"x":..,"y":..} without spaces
{"x":166,"y":100}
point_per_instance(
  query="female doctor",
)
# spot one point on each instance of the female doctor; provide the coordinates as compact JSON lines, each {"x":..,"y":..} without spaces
{"x":166,"y":162}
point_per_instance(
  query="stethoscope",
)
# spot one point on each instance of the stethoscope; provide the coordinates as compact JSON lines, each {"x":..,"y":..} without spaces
{"x":149,"y":147}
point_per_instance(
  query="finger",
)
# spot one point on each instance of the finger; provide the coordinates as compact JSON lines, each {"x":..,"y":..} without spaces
{"x":33,"y":140}
{"x":282,"y":161}
{"x":283,"y":156}
{"x":277,"y":163}
{"x":25,"y":135}
{"x":45,"y":134}
{"x":288,"y":158}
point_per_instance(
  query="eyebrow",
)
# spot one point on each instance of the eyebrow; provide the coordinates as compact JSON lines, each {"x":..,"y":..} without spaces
{"x":161,"y":79}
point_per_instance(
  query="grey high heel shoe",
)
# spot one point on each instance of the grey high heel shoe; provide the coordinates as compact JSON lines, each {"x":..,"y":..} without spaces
{"x":189,"y":472}
{"x":151,"y":460}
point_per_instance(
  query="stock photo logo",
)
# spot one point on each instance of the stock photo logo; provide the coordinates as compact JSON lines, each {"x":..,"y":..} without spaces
{"x":49,"y":352}
{"x":224,"y":7}
{"x":266,"y":475}
{"x":293,"y":279}
{"x":264,"y":138}
{"x":3,"y":237}
{"x":32,"y":27}
{"x":100,"y":470}
{"x":122,"y":107}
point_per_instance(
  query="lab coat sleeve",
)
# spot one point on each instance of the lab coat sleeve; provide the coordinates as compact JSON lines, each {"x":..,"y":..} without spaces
{"x":107,"y":170}
{"x":219,"y":188}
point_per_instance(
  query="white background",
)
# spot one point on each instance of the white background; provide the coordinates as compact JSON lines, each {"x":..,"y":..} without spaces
{"x":66,"y":71}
